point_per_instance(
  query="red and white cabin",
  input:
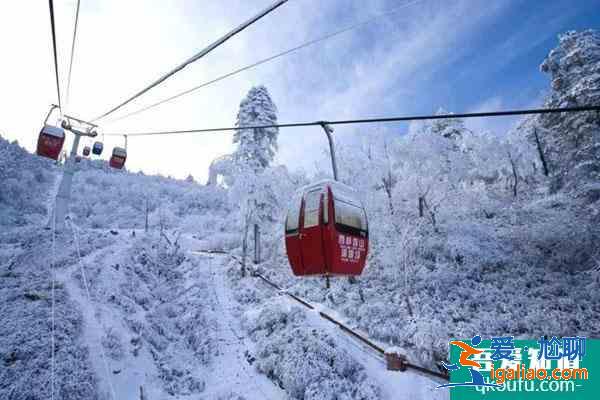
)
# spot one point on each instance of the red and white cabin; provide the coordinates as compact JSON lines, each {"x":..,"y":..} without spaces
{"x":117,"y":160}
{"x":50,"y":142}
{"x":326,"y":231}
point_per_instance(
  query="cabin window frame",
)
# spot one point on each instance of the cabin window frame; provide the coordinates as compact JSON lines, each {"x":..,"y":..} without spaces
{"x":294,"y":211}
{"x":341,"y":222}
{"x":312,"y":208}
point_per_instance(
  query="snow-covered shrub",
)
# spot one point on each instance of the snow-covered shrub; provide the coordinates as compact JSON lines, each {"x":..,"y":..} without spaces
{"x":104,"y":198}
{"x":25,"y":182}
{"x":245,"y":290}
{"x":175,"y":328}
{"x":113,"y":344}
{"x":306,"y":362}
{"x":25,"y":325}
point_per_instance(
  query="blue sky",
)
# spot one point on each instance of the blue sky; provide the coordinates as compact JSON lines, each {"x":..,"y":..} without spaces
{"x":463,"y":55}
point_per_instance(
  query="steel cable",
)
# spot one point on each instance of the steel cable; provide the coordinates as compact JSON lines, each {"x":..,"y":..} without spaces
{"x":194,"y":58}
{"x":72,"y":55}
{"x":52,"y":263}
{"x":51,"y":5}
{"x":265,"y":60}
{"x":373,"y":120}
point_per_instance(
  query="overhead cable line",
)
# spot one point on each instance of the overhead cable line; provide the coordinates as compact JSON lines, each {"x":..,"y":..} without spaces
{"x":51,"y":5}
{"x":194,"y":58}
{"x":52,"y":312}
{"x":373,"y":120}
{"x":268,"y":59}
{"x":72,"y":54}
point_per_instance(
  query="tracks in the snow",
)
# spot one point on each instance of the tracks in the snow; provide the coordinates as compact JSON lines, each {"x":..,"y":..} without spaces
{"x":232,"y":370}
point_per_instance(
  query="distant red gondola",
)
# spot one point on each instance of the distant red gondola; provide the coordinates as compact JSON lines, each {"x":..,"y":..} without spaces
{"x":117,"y":160}
{"x":50,"y":142}
{"x":86,"y":151}
{"x":326,"y":231}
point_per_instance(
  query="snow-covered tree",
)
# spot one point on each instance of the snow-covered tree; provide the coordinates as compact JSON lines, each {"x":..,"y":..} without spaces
{"x":252,"y":181}
{"x":572,"y":141}
{"x":258,"y":144}
{"x":261,"y":199}
{"x":433,"y":162}
{"x":501,"y":162}
{"x":449,"y":128}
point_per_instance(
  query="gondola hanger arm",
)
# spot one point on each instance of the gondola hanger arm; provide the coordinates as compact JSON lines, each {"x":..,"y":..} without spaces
{"x":328,"y":132}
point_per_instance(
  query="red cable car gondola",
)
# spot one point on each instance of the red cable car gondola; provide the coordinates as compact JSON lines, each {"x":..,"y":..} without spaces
{"x":86,"y":151}
{"x":326,"y":231}
{"x":50,"y":140}
{"x":117,"y":160}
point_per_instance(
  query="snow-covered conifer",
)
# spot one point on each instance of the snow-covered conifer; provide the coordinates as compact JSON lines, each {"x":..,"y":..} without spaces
{"x":256,"y":145}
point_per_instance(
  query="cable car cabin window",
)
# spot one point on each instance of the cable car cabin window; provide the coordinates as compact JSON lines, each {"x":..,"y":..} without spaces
{"x":349,"y":218}
{"x":291,"y":222}
{"x":311,"y":208}
{"x":292,"y":219}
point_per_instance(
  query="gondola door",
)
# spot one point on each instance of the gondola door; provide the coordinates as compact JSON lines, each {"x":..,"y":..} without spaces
{"x":292,"y":236}
{"x":311,"y":234}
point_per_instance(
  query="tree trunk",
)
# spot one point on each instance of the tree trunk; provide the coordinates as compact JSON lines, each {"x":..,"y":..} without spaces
{"x":515,"y":175}
{"x":421,"y":206}
{"x":387,"y":186}
{"x":256,"y":244}
{"x":408,"y":306}
{"x":146,"y":224}
{"x":361,"y":294}
{"x":244,"y":249}
{"x":388,"y":182}
{"x":540,"y":152}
